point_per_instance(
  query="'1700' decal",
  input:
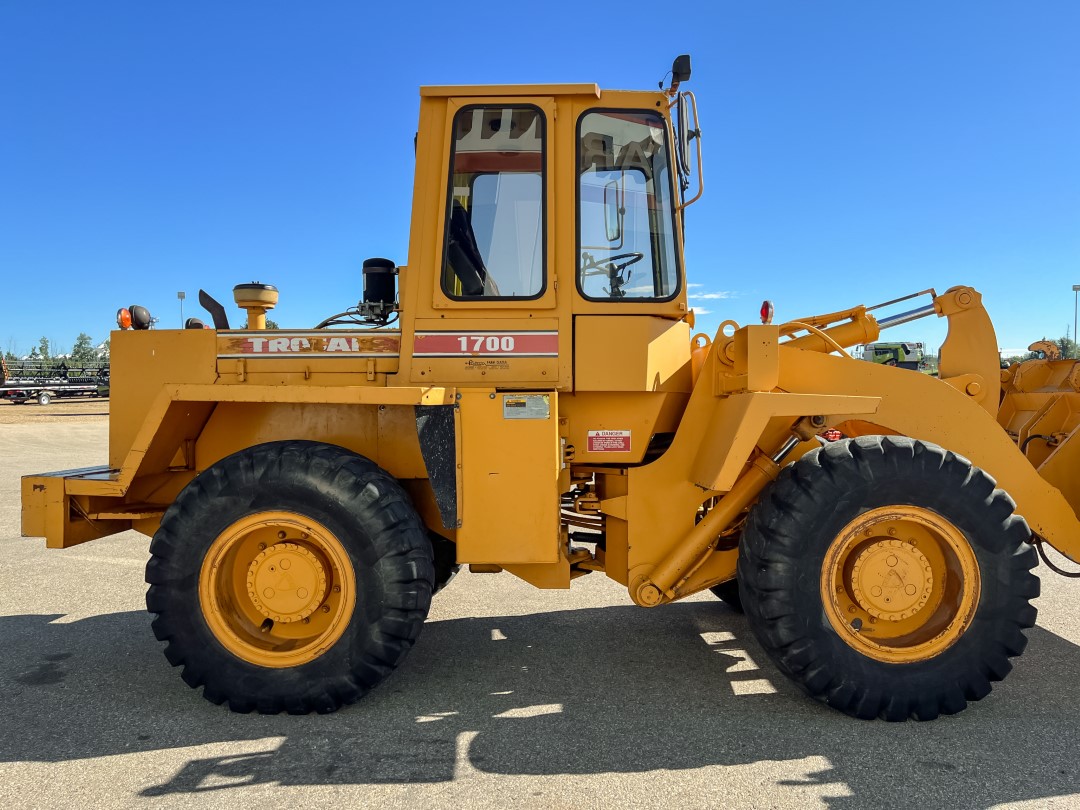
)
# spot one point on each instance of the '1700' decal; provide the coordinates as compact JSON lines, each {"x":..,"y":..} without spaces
{"x":480,"y":344}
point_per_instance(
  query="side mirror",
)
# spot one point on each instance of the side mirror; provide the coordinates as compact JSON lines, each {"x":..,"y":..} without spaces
{"x":680,"y":69}
{"x":687,"y":128}
{"x":680,"y":72}
{"x":682,"y":114}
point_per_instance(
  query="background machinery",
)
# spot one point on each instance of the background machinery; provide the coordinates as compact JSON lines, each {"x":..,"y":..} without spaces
{"x":45,"y":380}
{"x":904,"y":354}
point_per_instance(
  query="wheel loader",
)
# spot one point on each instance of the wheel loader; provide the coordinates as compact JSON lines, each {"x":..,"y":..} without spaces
{"x":528,"y":395}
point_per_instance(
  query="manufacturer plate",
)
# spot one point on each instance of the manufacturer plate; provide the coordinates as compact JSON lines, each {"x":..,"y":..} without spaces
{"x":526,"y":406}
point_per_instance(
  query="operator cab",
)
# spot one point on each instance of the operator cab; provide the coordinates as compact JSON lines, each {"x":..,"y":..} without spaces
{"x":545,"y":213}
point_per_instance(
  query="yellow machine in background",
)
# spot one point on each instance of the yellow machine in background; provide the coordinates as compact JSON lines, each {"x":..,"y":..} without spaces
{"x":532,"y":399}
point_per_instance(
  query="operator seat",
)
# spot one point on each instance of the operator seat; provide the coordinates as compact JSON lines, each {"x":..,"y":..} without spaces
{"x":463,"y":254}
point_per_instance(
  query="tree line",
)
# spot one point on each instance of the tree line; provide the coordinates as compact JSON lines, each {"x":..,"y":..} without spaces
{"x":84,"y":352}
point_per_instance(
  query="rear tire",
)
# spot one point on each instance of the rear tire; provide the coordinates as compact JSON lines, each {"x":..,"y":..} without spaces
{"x":44,"y":398}
{"x":291,"y":576}
{"x":888,"y":578}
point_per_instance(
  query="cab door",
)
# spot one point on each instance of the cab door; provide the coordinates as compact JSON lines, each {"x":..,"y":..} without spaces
{"x":492,"y":327}
{"x":493,"y":317}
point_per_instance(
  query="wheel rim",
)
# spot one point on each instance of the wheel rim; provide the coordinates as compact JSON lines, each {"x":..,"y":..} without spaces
{"x":900,"y":584}
{"x":277,"y":589}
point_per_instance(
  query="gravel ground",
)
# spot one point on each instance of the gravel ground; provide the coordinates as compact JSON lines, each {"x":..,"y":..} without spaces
{"x":514,"y":697}
{"x":76,"y":409}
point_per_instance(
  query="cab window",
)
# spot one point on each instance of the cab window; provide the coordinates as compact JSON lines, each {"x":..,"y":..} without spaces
{"x":626,"y":220}
{"x":495,"y":230}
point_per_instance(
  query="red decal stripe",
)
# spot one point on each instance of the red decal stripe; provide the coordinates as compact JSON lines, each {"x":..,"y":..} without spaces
{"x":486,"y":344}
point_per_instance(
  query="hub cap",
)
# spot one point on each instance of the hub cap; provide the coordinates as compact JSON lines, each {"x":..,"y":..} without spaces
{"x":277,"y":589}
{"x":286,"y":582}
{"x":892,"y":580}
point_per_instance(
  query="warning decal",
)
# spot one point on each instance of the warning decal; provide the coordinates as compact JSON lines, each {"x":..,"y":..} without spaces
{"x":609,"y":441}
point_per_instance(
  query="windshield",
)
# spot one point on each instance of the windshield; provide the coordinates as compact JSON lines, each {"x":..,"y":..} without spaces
{"x":626,"y":224}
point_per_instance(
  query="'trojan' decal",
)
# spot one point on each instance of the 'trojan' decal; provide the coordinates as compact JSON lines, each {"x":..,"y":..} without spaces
{"x":310,"y":344}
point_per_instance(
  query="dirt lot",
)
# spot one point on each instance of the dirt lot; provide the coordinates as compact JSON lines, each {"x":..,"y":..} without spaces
{"x":79,"y":409}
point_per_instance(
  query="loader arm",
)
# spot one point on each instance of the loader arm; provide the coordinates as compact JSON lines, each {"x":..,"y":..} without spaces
{"x":752,"y":391}
{"x":922,"y":407}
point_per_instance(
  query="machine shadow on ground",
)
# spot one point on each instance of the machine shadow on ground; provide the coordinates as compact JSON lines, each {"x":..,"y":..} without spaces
{"x":589,"y":691}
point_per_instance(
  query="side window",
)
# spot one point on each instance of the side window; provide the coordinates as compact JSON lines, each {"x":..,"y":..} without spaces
{"x":495,"y":230}
{"x":626,"y":226}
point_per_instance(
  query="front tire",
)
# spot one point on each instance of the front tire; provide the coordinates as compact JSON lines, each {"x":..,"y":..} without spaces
{"x":445,"y":559}
{"x":291,"y":576}
{"x":728,"y":593}
{"x":888,"y":578}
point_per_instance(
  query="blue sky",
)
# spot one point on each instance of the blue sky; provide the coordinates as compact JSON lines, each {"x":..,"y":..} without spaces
{"x":854,"y":151}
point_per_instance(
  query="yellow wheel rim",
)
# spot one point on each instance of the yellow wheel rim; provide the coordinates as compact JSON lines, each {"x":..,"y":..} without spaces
{"x":900,"y":584}
{"x":277,"y":589}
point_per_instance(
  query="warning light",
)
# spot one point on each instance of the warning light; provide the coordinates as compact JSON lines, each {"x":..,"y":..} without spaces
{"x":140,"y":317}
{"x":133,"y":317}
{"x":767,"y":311}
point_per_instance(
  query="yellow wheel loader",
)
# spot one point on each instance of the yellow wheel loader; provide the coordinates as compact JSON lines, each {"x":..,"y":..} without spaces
{"x":528,"y":396}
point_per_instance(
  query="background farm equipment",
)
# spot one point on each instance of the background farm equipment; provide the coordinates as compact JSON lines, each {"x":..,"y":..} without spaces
{"x":46,"y":380}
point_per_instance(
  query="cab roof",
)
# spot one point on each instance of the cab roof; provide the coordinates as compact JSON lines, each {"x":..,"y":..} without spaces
{"x":512,"y":90}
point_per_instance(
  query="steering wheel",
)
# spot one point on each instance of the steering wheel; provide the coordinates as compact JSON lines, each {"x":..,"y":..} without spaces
{"x":609,"y":266}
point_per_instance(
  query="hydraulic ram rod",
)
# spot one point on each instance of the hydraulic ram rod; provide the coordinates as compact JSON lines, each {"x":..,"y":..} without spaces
{"x":907,"y":317}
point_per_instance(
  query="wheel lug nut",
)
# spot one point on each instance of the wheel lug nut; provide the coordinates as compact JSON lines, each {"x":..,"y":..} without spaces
{"x":281,"y":535}
{"x":325,"y":608}
{"x":262,"y":546}
{"x":337,"y":589}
